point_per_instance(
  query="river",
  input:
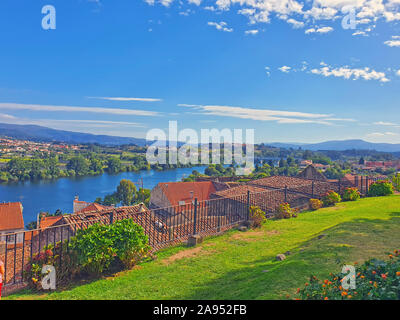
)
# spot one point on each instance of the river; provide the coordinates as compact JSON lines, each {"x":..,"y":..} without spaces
{"x":50,"y":195}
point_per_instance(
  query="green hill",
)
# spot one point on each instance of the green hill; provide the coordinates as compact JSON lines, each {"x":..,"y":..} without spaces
{"x":242,"y":265}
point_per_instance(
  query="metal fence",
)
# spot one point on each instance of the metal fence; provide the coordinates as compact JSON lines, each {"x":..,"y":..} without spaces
{"x":168,"y":226}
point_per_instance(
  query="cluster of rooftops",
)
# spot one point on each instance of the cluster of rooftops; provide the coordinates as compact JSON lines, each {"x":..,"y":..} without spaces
{"x":162,"y":196}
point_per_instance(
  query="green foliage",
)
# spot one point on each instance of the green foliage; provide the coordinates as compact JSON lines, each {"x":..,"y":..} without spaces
{"x":114,"y":165}
{"x":396,"y":182}
{"x":351,"y":194}
{"x":375,"y":280}
{"x":129,"y":241}
{"x":98,"y":246}
{"x":126,"y":192}
{"x":257,"y":217}
{"x":79,"y":165}
{"x":143,"y":195}
{"x":331,"y":198}
{"x":380,"y":188}
{"x":94,"y":248}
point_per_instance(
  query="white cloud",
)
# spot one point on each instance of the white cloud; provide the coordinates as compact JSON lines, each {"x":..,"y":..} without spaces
{"x":221,"y":26}
{"x":253,"y":32}
{"x":398,"y":73}
{"x":196,"y":2}
{"x":321,"y":30}
{"x":127,"y":99}
{"x":285,"y":69}
{"x":301,"y":13}
{"x":382,"y":136}
{"x":392,"y":43}
{"x":52,"y":108}
{"x":279,"y":116}
{"x":296,"y":24}
{"x":360,"y":33}
{"x":383,"y":123}
{"x":351,"y":73}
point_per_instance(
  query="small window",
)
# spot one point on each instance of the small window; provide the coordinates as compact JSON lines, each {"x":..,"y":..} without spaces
{"x":182,"y":203}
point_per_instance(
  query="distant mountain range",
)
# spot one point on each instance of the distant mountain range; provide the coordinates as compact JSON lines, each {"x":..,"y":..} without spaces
{"x":43,"y":134}
{"x":340,"y":145}
{"x":38,"y":133}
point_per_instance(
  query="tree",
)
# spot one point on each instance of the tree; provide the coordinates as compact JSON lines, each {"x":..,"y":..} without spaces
{"x":79,"y":164}
{"x":362,"y":161}
{"x":143,"y":195}
{"x":126,"y":192}
{"x":114,"y":165}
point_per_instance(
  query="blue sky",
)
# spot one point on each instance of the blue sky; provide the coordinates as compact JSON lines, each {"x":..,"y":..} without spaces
{"x":286,"y":68}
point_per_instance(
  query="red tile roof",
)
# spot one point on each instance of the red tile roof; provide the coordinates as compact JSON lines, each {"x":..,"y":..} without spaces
{"x":279,"y":182}
{"x":47,"y":222}
{"x":237,"y":191}
{"x":87,"y":218}
{"x":93,"y":207}
{"x":181,"y":191}
{"x":11,"y":217}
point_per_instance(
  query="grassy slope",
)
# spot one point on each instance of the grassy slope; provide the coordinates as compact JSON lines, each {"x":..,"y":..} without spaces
{"x":243,"y":266}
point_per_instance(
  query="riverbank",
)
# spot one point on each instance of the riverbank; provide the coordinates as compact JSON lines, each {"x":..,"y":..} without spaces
{"x":50,"y":195}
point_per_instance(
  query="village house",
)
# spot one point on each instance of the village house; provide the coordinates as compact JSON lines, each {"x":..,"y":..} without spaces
{"x":83,"y":206}
{"x":180,"y":193}
{"x":11,"y":221}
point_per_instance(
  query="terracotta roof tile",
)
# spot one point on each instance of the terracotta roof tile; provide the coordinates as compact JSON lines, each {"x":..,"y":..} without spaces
{"x":279,"y":182}
{"x":47,"y":222}
{"x":181,"y":191}
{"x":240,"y":190}
{"x":11,"y":217}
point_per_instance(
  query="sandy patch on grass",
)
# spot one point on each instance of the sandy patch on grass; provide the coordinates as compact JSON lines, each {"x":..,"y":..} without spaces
{"x":189,"y":253}
{"x":254,"y":236}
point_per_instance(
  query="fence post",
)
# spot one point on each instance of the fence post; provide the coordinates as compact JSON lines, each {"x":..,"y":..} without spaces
{"x":286,"y":188}
{"x":195,"y":216}
{"x":112,"y":217}
{"x":361,"y":184}
{"x":312,"y":189}
{"x":248,"y":205}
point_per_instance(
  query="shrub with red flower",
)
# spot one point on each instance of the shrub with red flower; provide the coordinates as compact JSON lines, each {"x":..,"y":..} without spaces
{"x":331,"y":198}
{"x":374,"y":280}
{"x":351,"y":194}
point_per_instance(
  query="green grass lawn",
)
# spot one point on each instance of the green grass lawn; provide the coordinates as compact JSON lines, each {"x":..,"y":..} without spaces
{"x":242,"y":265}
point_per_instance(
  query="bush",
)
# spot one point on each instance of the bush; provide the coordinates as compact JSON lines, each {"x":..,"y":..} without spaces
{"x":257,"y":217}
{"x":331,"y":198}
{"x":396,"y":182}
{"x":375,"y":280}
{"x":315,"y":204}
{"x":286,"y":212}
{"x":51,"y":256}
{"x":98,"y":246}
{"x":380,"y":188}
{"x":130,"y":242}
{"x":351,"y":194}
